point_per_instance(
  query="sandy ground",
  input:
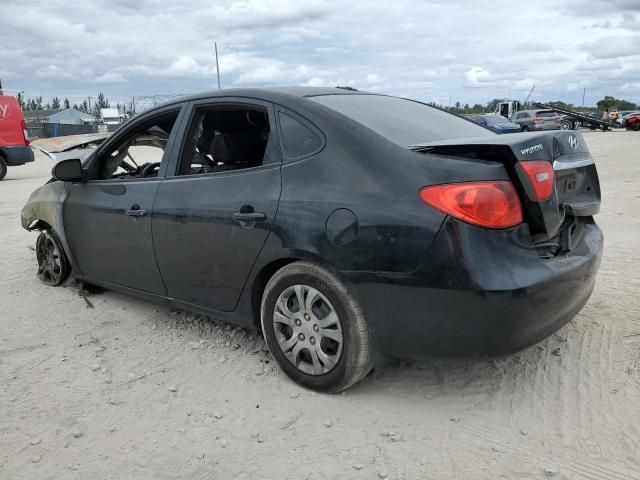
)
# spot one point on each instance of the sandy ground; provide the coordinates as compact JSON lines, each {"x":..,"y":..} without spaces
{"x":130,"y":390}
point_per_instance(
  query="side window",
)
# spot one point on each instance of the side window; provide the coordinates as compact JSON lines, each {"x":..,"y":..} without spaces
{"x":297,"y":139}
{"x":225,"y":138}
{"x":140,"y":153}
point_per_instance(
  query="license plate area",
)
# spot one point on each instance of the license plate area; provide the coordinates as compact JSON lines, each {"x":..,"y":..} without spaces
{"x":565,"y":184}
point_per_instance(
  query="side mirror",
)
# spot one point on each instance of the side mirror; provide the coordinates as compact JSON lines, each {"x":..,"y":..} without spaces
{"x":69,"y":170}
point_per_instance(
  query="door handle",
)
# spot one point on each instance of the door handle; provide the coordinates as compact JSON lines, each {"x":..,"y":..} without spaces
{"x":249,"y":217}
{"x":135,"y":211}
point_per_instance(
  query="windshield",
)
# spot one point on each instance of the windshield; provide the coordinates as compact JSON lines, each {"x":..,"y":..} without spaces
{"x":402,"y":121}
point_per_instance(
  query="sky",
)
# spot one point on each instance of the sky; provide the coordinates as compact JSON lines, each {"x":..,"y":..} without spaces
{"x":467,"y":51}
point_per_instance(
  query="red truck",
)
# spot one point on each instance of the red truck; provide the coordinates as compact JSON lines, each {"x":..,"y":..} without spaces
{"x":14,"y":140}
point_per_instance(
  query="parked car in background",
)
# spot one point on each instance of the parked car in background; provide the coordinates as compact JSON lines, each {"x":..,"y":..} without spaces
{"x":339,"y":223}
{"x":536,"y":120}
{"x":14,"y":140}
{"x":631,"y":122}
{"x":625,"y":113}
{"x":497,"y":123}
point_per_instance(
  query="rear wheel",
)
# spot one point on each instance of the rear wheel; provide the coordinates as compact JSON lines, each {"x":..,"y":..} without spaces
{"x":315,"y":329}
{"x":3,"y":168}
{"x":53,"y":266}
{"x":566,"y":125}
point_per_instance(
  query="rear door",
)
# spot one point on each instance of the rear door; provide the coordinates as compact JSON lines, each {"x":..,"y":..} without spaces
{"x":213,"y":213}
{"x":521,"y":118}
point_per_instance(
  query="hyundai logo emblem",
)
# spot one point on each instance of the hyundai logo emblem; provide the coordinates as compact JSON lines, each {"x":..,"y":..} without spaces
{"x":573,"y":142}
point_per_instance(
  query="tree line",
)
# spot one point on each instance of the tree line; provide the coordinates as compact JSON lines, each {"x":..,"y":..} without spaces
{"x":101,"y":101}
{"x":87,"y":105}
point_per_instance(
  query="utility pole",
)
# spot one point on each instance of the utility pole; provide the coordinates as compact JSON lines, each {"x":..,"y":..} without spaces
{"x":89,"y":112}
{"x":215,"y":45}
{"x":584,"y":90}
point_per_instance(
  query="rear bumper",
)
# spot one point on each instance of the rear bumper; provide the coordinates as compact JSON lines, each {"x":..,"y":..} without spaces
{"x":483,"y":292}
{"x":17,"y":155}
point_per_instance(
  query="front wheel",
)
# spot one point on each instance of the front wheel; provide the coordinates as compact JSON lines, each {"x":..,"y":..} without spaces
{"x":525,"y":128}
{"x":566,"y":125}
{"x":315,"y":329}
{"x":3,"y":168}
{"x":53,"y":266}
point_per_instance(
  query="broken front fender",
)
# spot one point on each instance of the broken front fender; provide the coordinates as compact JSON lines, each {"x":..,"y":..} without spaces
{"x":44,"y":211}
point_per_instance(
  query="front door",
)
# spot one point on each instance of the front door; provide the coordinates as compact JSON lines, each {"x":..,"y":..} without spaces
{"x":213,"y":216}
{"x":108,"y":218}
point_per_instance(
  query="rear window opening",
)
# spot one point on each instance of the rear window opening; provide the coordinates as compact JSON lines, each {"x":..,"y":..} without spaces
{"x":405,"y":122}
{"x":222,"y":139}
{"x":547,"y":114}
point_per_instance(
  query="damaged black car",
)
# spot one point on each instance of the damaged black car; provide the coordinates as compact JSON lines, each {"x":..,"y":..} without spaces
{"x":347,"y":226}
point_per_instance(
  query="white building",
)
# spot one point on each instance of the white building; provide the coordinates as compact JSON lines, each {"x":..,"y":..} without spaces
{"x":110,"y":116}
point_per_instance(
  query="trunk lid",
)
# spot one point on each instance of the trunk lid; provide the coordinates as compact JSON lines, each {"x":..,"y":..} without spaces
{"x":576,"y":191}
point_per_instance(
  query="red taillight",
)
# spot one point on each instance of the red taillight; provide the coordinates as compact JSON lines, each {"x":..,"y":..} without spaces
{"x":492,"y":204}
{"x":540,"y":175}
{"x":25,"y":132}
{"x":538,"y":120}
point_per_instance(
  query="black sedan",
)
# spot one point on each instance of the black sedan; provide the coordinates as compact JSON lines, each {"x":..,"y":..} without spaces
{"x":348,"y":227}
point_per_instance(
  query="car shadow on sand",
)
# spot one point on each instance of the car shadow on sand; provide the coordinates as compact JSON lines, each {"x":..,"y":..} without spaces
{"x":429,"y":379}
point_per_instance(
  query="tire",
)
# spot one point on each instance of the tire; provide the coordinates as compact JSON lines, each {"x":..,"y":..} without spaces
{"x":525,"y":128}
{"x":565,"y":125}
{"x":636,"y":125}
{"x":3,"y":168}
{"x":53,"y":265}
{"x":314,"y":358}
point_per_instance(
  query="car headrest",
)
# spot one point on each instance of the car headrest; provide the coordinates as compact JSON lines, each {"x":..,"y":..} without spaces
{"x":221,"y":148}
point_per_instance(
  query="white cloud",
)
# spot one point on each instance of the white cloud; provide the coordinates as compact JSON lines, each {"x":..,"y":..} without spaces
{"x":477,"y":75}
{"x":52,"y":72}
{"x":158,"y":46}
{"x":266,"y":74}
{"x":111,"y":77}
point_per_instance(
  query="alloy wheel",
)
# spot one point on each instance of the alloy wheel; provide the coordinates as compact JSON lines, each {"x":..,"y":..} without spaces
{"x":50,"y":261}
{"x":308,"y":329}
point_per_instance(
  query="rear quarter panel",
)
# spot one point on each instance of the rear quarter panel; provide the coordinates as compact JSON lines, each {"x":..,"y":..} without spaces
{"x":378,"y":181}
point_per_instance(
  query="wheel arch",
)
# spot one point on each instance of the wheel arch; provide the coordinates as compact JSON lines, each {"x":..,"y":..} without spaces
{"x":40,"y":225}
{"x":268,"y":270}
{"x":260,"y":282}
